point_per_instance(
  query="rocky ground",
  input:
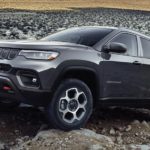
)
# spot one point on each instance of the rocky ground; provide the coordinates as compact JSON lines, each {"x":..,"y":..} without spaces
{"x":111,"y":128}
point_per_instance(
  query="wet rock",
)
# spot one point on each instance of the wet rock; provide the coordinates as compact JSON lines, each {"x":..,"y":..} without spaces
{"x":8,"y":33}
{"x":136,"y":122}
{"x":119,"y":128}
{"x":103,"y":131}
{"x":119,"y":140}
{"x":112,"y":131}
{"x":2,"y":146}
{"x":136,"y":134}
{"x":129,"y":127}
{"x":145,"y":124}
{"x":61,"y":29}
{"x":96,"y":147}
{"x":137,"y":147}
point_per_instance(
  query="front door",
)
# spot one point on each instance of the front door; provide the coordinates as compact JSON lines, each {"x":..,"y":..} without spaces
{"x":121,"y":72}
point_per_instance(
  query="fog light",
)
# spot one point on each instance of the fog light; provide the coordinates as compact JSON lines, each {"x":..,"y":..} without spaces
{"x":34,"y":80}
{"x":28,"y":78}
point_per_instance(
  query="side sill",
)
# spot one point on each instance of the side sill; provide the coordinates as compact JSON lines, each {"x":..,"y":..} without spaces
{"x":125,"y":102}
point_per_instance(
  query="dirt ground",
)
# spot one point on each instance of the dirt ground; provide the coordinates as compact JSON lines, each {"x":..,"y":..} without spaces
{"x":123,"y":125}
{"x":68,"y":4}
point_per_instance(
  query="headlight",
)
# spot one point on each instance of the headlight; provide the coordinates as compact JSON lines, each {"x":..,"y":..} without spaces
{"x":40,"y":55}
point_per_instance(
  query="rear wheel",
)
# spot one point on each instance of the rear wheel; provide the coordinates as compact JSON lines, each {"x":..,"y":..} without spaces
{"x":71,"y":105}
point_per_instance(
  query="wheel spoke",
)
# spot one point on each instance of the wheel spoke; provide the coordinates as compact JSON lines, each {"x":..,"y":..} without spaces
{"x":78,"y":94}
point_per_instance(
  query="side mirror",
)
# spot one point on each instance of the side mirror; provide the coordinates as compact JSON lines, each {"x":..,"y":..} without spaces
{"x":115,"y":47}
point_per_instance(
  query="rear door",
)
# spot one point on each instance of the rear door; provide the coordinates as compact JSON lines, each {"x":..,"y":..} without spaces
{"x":121,"y":76}
{"x":145,"y":70}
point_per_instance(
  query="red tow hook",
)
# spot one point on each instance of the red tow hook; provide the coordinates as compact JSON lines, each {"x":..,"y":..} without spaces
{"x":7,"y":88}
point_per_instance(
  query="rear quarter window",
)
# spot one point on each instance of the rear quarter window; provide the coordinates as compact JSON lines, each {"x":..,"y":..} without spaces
{"x":146,"y":47}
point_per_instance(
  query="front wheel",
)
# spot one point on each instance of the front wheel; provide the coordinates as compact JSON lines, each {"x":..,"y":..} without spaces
{"x":71,"y":105}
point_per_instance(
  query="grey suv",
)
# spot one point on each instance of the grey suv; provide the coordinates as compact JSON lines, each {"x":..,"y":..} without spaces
{"x":72,"y":71}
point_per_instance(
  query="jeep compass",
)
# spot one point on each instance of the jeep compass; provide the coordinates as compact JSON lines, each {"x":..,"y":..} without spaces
{"x":72,"y":71}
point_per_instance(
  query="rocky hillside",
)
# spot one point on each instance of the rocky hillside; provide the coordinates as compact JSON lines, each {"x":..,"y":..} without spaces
{"x":24,"y":25}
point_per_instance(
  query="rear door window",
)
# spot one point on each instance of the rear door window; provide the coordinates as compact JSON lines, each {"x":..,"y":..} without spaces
{"x":146,"y":47}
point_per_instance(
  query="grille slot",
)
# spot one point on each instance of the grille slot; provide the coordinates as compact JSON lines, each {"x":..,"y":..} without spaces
{"x":1,"y":51}
{"x":8,"y":53}
{"x":5,"y":53}
{"x":13,"y":54}
{"x":5,"y":67}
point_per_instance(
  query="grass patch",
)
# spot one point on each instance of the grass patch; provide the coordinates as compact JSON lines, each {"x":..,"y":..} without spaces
{"x":68,"y":4}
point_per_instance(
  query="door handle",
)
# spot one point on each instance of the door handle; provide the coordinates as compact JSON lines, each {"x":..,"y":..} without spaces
{"x":137,"y":63}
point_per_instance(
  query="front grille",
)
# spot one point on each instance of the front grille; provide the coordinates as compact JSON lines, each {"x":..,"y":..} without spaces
{"x":8,"y":53}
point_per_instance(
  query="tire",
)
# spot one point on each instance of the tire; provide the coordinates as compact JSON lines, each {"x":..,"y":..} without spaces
{"x":71,"y":105}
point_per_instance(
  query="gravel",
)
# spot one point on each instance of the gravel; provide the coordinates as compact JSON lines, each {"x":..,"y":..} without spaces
{"x":127,"y":128}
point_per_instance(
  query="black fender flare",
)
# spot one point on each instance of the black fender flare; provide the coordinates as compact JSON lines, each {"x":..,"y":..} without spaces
{"x":75,"y":66}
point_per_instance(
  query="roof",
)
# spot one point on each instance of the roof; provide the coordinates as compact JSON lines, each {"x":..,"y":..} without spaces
{"x":134,"y":32}
{"x":94,"y":27}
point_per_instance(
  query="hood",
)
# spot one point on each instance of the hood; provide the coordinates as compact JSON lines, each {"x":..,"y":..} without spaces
{"x":38,"y":45}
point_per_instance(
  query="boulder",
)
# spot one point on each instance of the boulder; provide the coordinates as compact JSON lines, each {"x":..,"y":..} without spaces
{"x":75,"y":140}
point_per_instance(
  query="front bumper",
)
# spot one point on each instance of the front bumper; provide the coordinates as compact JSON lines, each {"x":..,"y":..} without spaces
{"x":39,"y":96}
{"x":36,"y":97}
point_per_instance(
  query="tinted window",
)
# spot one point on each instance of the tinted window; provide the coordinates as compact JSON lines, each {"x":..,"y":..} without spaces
{"x":130,"y":41}
{"x":146,"y":47}
{"x":85,"y":36}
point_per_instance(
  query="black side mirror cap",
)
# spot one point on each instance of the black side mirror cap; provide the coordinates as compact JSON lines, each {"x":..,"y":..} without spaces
{"x":114,"y":47}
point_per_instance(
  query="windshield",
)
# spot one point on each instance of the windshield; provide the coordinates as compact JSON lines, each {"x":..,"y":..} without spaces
{"x":84,"y":36}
